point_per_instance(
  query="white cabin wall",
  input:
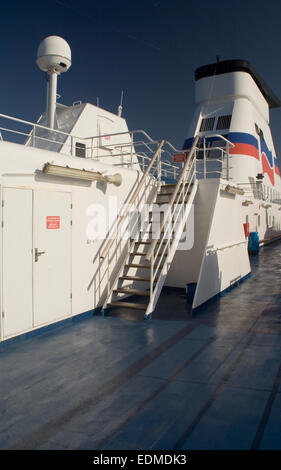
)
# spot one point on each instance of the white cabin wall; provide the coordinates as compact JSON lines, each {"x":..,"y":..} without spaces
{"x":21,"y":167}
{"x":94,"y":122}
{"x":225,"y":260}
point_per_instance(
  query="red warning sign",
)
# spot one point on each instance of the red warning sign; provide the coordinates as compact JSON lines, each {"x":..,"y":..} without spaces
{"x":53,"y":221}
{"x":179,"y":157}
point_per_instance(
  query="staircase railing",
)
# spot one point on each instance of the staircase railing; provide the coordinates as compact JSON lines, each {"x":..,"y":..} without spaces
{"x":188,"y":167}
{"x":214,"y":159}
{"x":133,"y":199}
{"x":171,"y":223}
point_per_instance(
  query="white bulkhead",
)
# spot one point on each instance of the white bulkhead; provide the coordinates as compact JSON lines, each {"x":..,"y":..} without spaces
{"x":233,"y":100}
{"x":239,"y":179}
{"x":53,"y":267}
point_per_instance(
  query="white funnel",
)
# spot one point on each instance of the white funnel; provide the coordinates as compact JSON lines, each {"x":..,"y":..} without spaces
{"x":53,"y":57}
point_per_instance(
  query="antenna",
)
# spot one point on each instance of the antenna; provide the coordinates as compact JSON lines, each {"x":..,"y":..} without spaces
{"x":120,"y":107}
{"x":54,"y":58}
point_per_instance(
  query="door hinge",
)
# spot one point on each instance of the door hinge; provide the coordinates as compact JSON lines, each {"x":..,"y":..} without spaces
{"x":2,"y":223}
{"x":3,"y":315}
{"x":71,"y":222}
{"x":71,"y":295}
{"x":2,"y":203}
{"x":71,"y":206}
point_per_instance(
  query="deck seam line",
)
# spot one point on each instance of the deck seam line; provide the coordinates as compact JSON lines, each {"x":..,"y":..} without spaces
{"x":212,"y":397}
{"x":162,"y":387}
{"x":220,"y":385}
{"x":42,"y":434}
{"x":267,"y":410}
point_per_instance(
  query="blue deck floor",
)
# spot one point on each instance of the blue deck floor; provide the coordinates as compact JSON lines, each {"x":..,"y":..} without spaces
{"x":207,"y":381}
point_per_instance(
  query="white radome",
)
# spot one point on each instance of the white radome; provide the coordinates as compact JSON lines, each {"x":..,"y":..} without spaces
{"x":54,"y":55}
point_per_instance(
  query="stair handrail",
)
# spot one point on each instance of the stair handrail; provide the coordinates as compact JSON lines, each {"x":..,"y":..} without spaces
{"x":172,"y":200}
{"x":107,"y":247}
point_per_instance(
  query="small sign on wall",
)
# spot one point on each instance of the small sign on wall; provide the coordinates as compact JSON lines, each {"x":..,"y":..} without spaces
{"x":181,"y":157}
{"x":53,"y":222}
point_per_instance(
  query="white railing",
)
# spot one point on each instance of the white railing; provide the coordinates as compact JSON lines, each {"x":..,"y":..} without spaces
{"x":213,"y":161}
{"x":168,"y":235}
{"x":134,"y":201}
{"x":171,"y":228}
{"x":131,"y":149}
{"x":124,"y":225}
{"x":260,"y":191}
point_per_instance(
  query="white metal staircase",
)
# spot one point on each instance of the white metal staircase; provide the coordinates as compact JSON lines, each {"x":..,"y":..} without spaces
{"x":150,"y":254}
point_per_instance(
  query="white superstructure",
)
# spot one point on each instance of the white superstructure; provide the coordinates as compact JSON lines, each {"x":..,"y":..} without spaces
{"x":79,"y":170}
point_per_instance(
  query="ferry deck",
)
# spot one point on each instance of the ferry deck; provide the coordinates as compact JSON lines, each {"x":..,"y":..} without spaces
{"x":210,"y":380}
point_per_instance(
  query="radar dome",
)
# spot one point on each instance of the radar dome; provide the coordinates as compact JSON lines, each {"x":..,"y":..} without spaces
{"x":53,"y":55}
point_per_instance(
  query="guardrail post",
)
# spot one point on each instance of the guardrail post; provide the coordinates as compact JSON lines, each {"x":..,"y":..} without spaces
{"x":159,"y":168}
{"x":204,"y":150}
{"x":132,"y":141}
{"x":72,"y":149}
{"x":227,"y":161}
{"x":33,"y":136}
{"x":151,"y":275}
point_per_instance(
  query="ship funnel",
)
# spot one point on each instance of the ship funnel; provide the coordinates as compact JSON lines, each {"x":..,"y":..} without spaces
{"x":54,"y":58}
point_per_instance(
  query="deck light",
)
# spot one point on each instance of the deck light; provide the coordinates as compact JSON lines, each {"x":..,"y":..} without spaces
{"x":66,"y":171}
{"x":233,"y":190}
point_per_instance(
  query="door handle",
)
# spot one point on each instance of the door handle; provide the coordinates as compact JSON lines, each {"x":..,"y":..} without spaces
{"x":37,"y":254}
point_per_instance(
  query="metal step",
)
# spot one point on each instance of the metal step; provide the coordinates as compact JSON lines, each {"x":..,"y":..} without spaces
{"x":136,"y":253}
{"x":134,"y":278}
{"x":168,"y":194}
{"x":150,"y":232}
{"x":123,"y":290}
{"x":146,"y":242}
{"x":141,"y":266}
{"x":171,"y":187}
{"x":133,"y":265}
{"x":127,"y":305}
{"x":168,"y":199}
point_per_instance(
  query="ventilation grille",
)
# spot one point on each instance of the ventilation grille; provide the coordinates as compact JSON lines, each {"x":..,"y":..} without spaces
{"x":224,"y":122}
{"x":207,"y":124}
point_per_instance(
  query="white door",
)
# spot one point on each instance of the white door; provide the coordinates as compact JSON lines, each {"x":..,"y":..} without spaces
{"x":52,"y":256}
{"x":17,"y":261}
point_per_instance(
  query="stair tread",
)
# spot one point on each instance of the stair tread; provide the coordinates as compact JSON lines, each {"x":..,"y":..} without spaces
{"x":177,"y":201}
{"x":134,"y":265}
{"x":128,"y":305}
{"x":136,"y":253}
{"x":163,"y":211}
{"x":123,"y":290}
{"x":142,"y":266}
{"x":135,"y":278}
{"x":169,"y":194}
{"x":169,"y":185}
{"x":146,"y":242}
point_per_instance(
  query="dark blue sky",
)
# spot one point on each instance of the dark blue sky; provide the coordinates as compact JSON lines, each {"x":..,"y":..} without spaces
{"x":147,"y":48}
